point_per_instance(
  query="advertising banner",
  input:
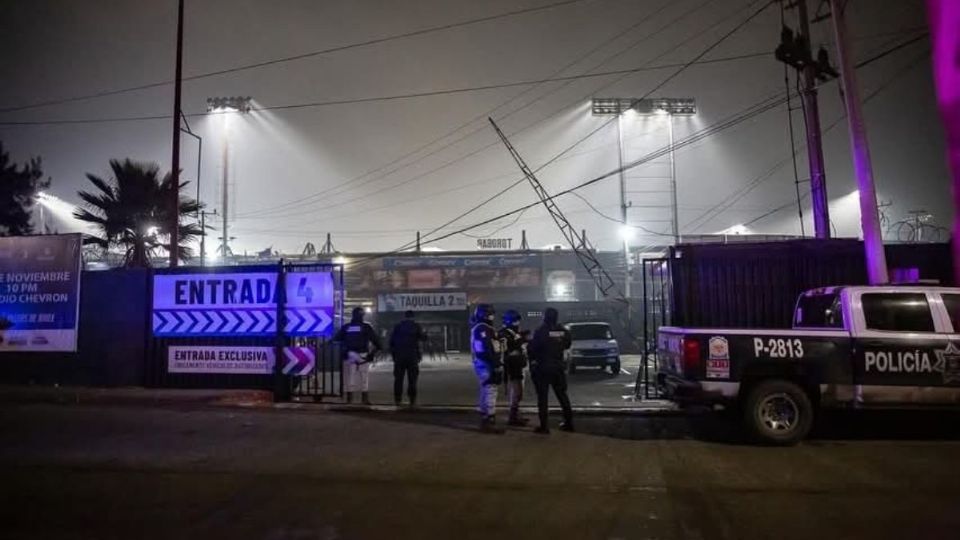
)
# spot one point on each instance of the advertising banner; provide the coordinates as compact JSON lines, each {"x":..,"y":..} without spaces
{"x":39,"y":292}
{"x":435,"y":301}
{"x":241,"y":304}
{"x":492,"y":261}
{"x":449,"y":272}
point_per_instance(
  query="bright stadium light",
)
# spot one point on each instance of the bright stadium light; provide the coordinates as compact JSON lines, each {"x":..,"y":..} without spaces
{"x":230,"y":103}
{"x":225,"y":106}
{"x":661,"y":106}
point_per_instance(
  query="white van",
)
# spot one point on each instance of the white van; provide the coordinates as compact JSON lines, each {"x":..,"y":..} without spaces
{"x":593,"y":346}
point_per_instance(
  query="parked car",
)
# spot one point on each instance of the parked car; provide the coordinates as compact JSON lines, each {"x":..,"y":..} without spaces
{"x":882,"y":346}
{"x":593,"y":346}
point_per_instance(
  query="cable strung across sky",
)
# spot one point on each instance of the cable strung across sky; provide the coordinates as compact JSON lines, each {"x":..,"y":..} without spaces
{"x":296,"y":57}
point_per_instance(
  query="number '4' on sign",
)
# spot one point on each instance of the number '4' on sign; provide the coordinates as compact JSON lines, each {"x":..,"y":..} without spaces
{"x":305,"y":291}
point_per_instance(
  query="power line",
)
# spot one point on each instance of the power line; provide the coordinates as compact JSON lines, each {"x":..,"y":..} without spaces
{"x":269,"y":212}
{"x":747,"y":114}
{"x":302,"y":56}
{"x":590,"y":134}
{"x":412,"y":95}
{"x":907,"y":67}
{"x":528,"y":126}
{"x":751,"y":112}
{"x":728,"y":202}
{"x":556,"y":157}
{"x":305,"y":201}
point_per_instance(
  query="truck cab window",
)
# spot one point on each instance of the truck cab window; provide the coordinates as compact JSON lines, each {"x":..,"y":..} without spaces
{"x":952,"y":303}
{"x":819,"y":311}
{"x":897,"y":312}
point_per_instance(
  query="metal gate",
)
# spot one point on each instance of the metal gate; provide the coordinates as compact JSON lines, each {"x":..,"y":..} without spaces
{"x":657,"y":312}
{"x":295,"y":356}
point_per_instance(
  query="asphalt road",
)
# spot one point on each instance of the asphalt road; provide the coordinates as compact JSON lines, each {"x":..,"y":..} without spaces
{"x":453,"y":382}
{"x":127,"y":472}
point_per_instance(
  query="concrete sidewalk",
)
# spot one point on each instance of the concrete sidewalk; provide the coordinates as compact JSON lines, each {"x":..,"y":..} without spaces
{"x":139,"y":396}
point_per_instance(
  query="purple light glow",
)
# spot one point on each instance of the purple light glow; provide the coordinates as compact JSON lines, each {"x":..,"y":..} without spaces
{"x":944,"y":16}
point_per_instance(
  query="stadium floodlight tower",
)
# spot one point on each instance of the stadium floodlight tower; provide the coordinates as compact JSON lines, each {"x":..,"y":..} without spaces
{"x":662,"y":106}
{"x":225,"y":106}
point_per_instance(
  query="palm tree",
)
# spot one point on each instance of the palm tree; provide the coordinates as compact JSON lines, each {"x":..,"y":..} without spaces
{"x":130,"y":211}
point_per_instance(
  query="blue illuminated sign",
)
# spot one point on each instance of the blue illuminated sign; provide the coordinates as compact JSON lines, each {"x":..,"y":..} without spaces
{"x":242,"y":304}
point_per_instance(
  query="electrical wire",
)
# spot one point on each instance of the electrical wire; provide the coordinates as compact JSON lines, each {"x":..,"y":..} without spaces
{"x":756,"y":182}
{"x":483,"y":128}
{"x":431,"y":93}
{"x":496,"y":143}
{"x":793,"y":142}
{"x":615,"y":220}
{"x":306,"y":201}
{"x":751,"y":112}
{"x":339,"y":48}
{"x":907,"y":67}
{"x":590,"y":134}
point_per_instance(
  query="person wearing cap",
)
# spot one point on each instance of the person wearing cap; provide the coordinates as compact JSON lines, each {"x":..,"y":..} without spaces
{"x":547,"y":367}
{"x":359,"y":343}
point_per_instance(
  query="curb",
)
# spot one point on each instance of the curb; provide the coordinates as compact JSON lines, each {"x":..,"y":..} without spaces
{"x":651,"y":410}
{"x":263,"y":399}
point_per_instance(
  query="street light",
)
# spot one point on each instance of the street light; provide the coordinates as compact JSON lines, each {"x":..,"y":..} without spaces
{"x":669,"y":107}
{"x":225,"y":106}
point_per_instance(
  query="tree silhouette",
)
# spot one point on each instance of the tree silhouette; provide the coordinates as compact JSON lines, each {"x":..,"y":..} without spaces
{"x":131,"y":212}
{"x":18,"y":194}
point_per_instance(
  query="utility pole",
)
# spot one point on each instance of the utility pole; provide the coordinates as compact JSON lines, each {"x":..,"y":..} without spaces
{"x":944,"y":17}
{"x":175,"y":165}
{"x":796,"y":52}
{"x":203,"y":235}
{"x":869,"y":217}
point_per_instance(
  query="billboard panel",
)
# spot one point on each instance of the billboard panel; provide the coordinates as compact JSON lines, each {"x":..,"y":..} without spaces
{"x":39,"y":292}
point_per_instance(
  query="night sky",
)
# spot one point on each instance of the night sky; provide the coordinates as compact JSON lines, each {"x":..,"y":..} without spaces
{"x":374,"y":172}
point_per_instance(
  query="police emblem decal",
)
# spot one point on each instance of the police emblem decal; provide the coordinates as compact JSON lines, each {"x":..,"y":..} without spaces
{"x":949,"y":358}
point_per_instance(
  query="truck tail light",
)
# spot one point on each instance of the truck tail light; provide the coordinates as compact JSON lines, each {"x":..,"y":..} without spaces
{"x":691,"y":354}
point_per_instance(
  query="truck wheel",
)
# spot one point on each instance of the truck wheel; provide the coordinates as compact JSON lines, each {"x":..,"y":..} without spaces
{"x":615,"y":368}
{"x":778,"y":412}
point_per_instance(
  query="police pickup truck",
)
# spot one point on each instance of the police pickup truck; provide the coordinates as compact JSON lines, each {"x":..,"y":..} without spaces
{"x":876,"y":346}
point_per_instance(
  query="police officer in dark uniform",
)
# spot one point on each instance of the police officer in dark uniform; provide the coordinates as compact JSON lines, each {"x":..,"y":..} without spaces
{"x":514,"y":361}
{"x":405,"y":349}
{"x":488,"y":365}
{"x":360,"y":343}
{"x":547,"y":367}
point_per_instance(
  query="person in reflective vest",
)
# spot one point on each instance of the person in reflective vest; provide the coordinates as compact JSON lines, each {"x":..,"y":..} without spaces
{"x":487,"y":364}
{"x":548,"y":368}
{"x":514,"y":361}
{"x":359,"y":343}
